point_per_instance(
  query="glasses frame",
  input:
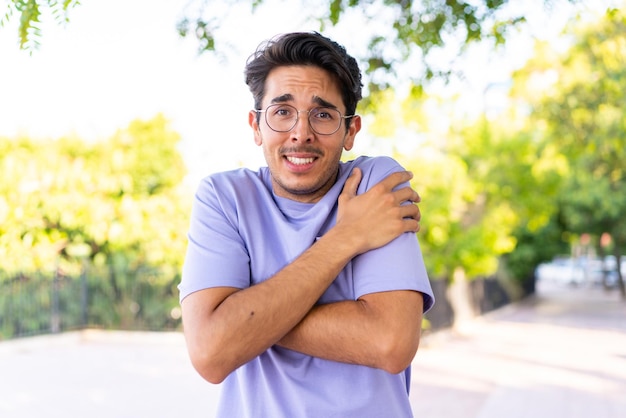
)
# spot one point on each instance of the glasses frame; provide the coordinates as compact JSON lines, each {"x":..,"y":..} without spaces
{"x":308,"y":112}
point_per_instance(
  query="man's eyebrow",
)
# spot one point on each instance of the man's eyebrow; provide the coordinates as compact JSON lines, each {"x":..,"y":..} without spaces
{"x":318,"y":100}
{"x":283,"y":98}
{"x":287,"y":97}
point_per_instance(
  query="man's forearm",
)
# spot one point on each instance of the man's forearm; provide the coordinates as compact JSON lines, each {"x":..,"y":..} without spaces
{"x":379,"y":330}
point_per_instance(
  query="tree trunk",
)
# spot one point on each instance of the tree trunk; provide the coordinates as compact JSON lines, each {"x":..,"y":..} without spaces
{"x":460,"y":300}
{"x":620,"y":277}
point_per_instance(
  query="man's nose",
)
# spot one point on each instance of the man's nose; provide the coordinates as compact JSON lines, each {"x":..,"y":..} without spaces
{"x":302,"y":130}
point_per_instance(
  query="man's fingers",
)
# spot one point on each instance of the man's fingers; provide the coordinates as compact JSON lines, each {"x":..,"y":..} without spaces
{"x":395,"y":179}
{"x":407,"y":194}
{"x":411,"y":225}
{"x":411,"y":216}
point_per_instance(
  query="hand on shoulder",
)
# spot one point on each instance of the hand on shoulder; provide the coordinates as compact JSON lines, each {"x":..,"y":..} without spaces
{"x":381,"y":214}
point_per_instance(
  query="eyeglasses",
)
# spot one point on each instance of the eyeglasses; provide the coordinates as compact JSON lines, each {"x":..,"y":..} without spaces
{"x":284,"y":117}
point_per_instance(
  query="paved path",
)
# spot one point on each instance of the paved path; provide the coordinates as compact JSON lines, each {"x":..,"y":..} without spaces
{"x":561,"y":354}
{"x":95,"y":374}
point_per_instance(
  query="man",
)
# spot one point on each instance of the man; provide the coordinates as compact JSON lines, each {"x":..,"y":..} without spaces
{"x":304,"y":287}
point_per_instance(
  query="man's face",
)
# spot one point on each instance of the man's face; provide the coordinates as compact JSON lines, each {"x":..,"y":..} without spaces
{"x":303,"y":163}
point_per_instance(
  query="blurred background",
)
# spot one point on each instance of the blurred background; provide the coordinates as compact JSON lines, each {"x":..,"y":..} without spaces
{"x":511,"y":115}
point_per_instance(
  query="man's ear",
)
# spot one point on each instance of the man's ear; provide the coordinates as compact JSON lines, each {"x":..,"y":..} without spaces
{"x":252,"y":121}
{"x":355,"y":127}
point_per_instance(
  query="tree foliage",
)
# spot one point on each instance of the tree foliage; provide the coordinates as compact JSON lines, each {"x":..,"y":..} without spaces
{"x":583,"y":122}
{"x":593,"y":112}
{"x":113,"y":212}
{"x":30,"y":14}
{"x":485,"y":184}
{"x":416,"y":28}
{"x":117,"y":201}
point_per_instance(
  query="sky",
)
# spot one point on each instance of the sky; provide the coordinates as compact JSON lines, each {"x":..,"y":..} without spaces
{"x":118,"y":60}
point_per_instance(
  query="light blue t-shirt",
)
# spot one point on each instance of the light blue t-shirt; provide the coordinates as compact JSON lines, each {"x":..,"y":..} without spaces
{"x":242,"y":234}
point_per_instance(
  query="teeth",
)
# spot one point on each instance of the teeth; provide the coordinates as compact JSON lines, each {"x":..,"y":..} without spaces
{"x":300,"y":161}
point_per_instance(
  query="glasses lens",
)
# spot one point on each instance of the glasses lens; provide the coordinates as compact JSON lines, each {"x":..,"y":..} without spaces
{"x":281,"y":117}
{"x":325,"y":120}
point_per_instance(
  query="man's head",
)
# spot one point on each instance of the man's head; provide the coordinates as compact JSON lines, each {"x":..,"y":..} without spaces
{"x":305,"y":89}
{"x":304,"y":48}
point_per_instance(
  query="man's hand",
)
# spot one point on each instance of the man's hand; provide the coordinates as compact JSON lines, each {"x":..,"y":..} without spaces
{"x":381,"y":214}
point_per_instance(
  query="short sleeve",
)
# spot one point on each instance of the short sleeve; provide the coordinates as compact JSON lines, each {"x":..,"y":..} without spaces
{"x":216,"y":254}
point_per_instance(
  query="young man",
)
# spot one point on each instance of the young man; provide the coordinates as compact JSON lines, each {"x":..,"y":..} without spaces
{"x":304,"y":287}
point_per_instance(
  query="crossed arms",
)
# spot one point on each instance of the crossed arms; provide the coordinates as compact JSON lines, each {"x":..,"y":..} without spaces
{"x":226,"y":327}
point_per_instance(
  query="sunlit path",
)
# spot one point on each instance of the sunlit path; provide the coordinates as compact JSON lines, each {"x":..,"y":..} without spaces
{"x":561,"y":354}
{"x":101,"y":374}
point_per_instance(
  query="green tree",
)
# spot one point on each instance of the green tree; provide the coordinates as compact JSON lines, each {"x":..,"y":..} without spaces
{"x":584,"y":116}
{"x":116,"y":206}
{"x":118,"y":203}
{"x":534,"y":246}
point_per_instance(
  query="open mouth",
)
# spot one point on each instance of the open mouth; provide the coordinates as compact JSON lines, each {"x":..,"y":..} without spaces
{"x":300,"y":161}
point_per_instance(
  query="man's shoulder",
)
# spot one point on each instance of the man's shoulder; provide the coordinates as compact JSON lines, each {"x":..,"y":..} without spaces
{"x":377,"y":163}
{"x":234,"y":175}
{"x":241,"y":184}
{"x":374,"y":169}
{"x":237,"y":178}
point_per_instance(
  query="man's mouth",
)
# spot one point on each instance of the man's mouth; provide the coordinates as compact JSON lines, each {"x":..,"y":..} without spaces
{"x":300,"y":161}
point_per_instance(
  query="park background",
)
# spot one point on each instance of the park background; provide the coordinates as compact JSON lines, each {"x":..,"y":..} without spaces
{"x":108,"y":122}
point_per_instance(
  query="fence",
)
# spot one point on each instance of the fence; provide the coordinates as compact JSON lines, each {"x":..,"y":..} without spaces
{"x":484,"y":295}
{"x":38,"y":303}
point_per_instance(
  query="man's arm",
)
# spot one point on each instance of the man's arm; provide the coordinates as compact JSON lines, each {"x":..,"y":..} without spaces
{"x":380,"y":330}
{"x":227,"y":327}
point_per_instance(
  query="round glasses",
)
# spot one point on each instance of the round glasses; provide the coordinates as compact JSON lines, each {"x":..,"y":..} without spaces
{"x":323,"y":120}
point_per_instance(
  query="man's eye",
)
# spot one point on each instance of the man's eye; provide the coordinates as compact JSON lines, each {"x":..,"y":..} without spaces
{"x":283,"y":111}
{"x":324,"y":114}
